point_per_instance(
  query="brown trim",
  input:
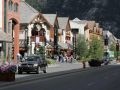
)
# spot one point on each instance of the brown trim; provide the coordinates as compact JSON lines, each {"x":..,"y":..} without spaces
{"x":43,"y":18}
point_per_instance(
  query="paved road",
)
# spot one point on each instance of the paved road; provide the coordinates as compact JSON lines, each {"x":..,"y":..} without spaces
{"x":102,"y":78}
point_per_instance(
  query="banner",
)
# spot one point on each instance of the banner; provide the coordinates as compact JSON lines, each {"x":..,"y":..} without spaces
{"x":37,"y":40}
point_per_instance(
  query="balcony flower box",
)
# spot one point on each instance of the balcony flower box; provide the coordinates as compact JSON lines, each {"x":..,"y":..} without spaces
{"x":7,"y":72}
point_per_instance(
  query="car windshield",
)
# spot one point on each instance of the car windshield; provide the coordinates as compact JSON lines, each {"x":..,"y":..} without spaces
{"x":32,"y":58}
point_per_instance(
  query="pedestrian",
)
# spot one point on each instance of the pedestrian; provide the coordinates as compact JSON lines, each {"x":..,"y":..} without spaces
{"x":59,"y":58}
{"x":19,"y":57}
{"x":62,"y":58}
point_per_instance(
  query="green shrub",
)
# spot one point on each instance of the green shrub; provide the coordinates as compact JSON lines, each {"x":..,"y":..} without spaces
{"x":51,"y":61}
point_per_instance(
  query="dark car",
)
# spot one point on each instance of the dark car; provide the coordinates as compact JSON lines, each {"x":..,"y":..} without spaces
{"x":33,"y":64}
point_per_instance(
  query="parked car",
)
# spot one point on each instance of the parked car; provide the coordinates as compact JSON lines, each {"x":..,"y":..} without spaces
{"x":33,"y":64}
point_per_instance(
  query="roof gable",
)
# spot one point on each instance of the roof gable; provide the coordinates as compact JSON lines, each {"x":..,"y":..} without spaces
{"x":50,"y":18}
{"x":27,"y":13}
{"x":63,"y":21}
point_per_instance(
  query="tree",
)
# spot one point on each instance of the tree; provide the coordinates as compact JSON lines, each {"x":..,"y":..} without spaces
{"x":81,"y":48}
{"x":96,"y":50}
{"x":113,"y":47}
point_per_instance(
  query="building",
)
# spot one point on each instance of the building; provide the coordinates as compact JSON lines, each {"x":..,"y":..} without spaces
{"x":77,"y":24}
{"x":64,"y":32}
{"x":25,"y":26}
{"x":10,"y":27}
{"x":40,"y":29}
{"x":109,"y":40}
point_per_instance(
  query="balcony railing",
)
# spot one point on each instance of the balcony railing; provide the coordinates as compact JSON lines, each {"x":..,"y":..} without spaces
{"x":41,"y":38}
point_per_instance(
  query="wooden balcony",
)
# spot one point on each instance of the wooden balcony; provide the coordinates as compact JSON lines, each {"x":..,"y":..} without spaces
{"x":41,"y":38}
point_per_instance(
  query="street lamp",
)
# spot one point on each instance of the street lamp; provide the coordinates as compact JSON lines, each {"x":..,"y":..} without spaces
{"x":26,"y":39}
{"x":117,"y":48}
{"x":56,"y":40}
{"x":44,"y":42}
{"x":106,"y":41}
{"x":74,"y":31}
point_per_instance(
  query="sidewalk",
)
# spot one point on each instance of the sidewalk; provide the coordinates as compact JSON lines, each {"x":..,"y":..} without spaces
{"x":64,"y":67}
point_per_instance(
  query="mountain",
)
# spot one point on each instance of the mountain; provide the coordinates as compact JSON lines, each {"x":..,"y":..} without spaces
{"x":106,"y":12}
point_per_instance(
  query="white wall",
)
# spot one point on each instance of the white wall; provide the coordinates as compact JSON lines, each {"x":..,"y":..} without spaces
{"x":80,"y":27}
{"x":0,"y":13}
{"x":64,"y":36}
{"x":22,"y":35}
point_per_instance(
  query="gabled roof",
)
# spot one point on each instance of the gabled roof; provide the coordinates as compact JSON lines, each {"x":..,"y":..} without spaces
{"x":76,"y":19}
{"x":91,"y":24}
{"x":63,"y":22}
{"x":50,"y":18}
{"x":82,"y":22}
{"x":27,"y":13}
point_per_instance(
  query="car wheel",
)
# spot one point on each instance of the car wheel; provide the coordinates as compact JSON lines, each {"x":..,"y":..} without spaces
{"x":28,"y":72}
{"x":38,"y":70}
{"x":44,"y":71}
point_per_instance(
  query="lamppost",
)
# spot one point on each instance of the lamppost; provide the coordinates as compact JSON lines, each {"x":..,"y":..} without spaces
{"x":74,"y":31}
{"x":56,"y":40}
{"x":106,"y":39}
{"x":26,"y":41}
{"x":44,"y":42}
{"x":117,"y":49}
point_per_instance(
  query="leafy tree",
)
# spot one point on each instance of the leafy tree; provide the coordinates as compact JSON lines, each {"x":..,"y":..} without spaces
{"x":96,"y":50}
{"x":112,"y":47}
{"x":41,"y":51}
{"x":81,"y":49}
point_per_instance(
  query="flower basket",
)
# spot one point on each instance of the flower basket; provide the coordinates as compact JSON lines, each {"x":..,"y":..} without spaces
{"x":7,"y":72}
{"x":7,"y":76}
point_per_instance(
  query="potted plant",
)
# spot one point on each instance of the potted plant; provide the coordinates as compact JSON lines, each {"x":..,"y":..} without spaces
{"x":7,"y":72}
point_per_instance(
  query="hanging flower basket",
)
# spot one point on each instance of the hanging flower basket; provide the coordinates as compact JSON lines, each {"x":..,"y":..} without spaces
{"x":7,"y":72}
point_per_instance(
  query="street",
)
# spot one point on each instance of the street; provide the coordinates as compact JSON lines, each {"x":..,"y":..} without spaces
{"x":101,"y":78}
{"x":55,"y":68}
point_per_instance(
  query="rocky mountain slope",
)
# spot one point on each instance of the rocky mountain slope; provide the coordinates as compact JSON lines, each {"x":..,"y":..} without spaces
{"x":106,"y":12}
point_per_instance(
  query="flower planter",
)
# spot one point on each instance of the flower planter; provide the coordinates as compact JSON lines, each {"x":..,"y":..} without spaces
{"x":94,"y":63}
{"x":7,"y":76}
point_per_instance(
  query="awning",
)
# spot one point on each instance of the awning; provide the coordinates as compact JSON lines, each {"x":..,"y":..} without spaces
{"x":3,"y":36}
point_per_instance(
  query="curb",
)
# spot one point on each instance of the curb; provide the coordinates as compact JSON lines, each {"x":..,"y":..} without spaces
{"x":53,"y":65}
{"x":43,"y":76}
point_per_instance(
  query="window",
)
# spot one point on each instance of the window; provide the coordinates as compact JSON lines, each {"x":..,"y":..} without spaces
{"x":10,"y":3}
{"x":15,"y":7}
